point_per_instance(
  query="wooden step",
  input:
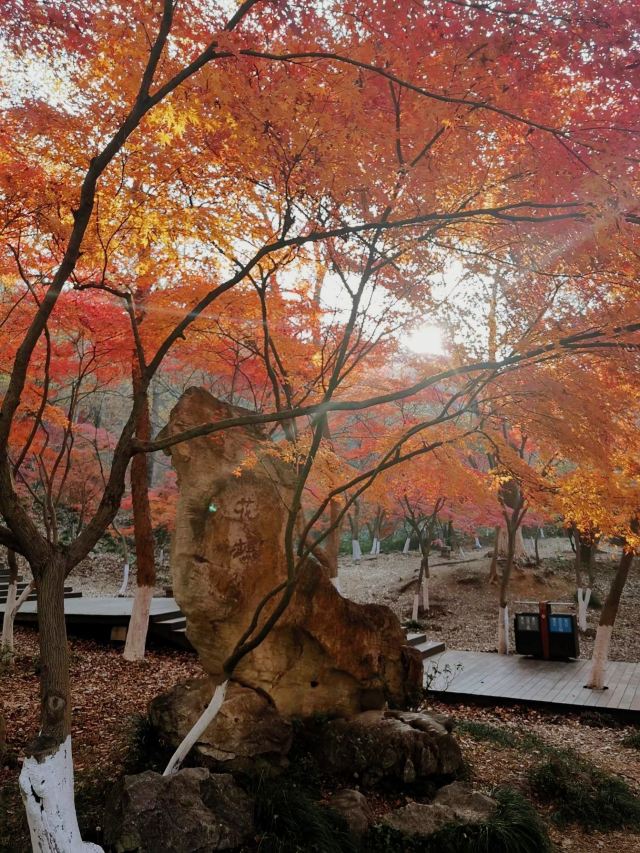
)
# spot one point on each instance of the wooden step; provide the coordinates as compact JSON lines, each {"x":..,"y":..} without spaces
{"x":174,"y":624}
{"x":168,"y":616}
{"x":414,"y":639}
{"x":429,"y":648}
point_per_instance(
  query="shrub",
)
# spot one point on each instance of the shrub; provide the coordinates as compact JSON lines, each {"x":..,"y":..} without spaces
{"x":584,"y":794}
{"x":145,"y":752}
{"x":486,"y":732}
{"x":632,"y":740}
{"x":514,"y":828}
{"x":290,"y":821}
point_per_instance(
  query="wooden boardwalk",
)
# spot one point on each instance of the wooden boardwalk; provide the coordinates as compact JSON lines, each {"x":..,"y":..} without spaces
{"x":483,"y":676}
{"x":98,"y":614}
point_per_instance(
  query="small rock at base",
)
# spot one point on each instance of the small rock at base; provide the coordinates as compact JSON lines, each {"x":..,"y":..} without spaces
{"x":354,"y":808}
{"x":191,"y":810}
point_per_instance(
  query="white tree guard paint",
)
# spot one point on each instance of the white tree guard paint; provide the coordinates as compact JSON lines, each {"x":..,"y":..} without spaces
{"x":202,"y":723}
{"x":503,"y":631}
{"x":125,"y":581}
{"x":583,"y":603}
{"x":407,"y":543}
{"x":541,"y":529}
{"x":356,"y":550}
{"x":136,"y":641}
{"x":600,"y":657}
{"x":416,"y":607}
{"x":476,"y":544}
{"x":425,"y":594}
{"x":375,"y":547}
{"x":7,"y":621}
{"x":10,"y":610}
{"x":47,"y":792}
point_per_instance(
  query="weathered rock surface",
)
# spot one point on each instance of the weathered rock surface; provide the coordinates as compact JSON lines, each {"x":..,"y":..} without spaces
{"x":419,"y":819}
{"x":192,"y":810}
{"x":247,"y":727}
{"x":468,"y":806}
{"x":354,"y":808}
{"x":392,"y":746}
{"x":326,"y":654}
{"x":455,"y":803}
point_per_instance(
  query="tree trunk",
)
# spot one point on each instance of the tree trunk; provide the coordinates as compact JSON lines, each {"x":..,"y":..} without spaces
{"x":585,"y":550}
{"x":333,"y":541}
{"x":607,"y":620}
{"x":46,"y":778}
{"x":536,"y":548}
{"x":6,"y":644}
{"x":143,"y":532}
{"x":520,"y":552}
{"x":503,"y":615}
{"x":416,"y":598}
{"x":425,"y":583}
{"x":493,"y":568}
{"x":6,"y":651}
{"x":407,"y":545}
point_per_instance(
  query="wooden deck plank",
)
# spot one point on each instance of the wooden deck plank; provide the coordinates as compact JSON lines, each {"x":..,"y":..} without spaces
{"x":631,"y":689}
{"x":558,"y":683}
{"x":617,"y":690}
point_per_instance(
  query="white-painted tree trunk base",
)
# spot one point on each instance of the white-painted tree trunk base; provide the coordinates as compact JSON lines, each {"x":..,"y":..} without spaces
{"x":416,"y":607}
{"x":407,"y":543}
{"x":201,"y":725}
{"x":375,"y":547}
{"x":47,"y":793}
{"x":503,"y":631}
{"x":6,"y":644}
{"x":583,"y":603}
{"x":477,"y":545}
{"x":136,"y":642}
{"x":125,"y":581}
{"x":600,"y":657}
{"x":425,"y":594}
{"x":356,"y":550}
{"x":541,"y":529}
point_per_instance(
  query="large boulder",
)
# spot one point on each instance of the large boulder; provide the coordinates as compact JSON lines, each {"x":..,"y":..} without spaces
{"x":326,"y":654}
{"x":192,"y":810}
{"x":246,"y":730}
{"x":455,"y":803}
{"x":392,"y":746}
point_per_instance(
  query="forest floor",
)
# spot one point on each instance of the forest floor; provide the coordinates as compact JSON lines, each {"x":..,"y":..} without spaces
{"x":109,"y":694}
{"x":464,"y":606}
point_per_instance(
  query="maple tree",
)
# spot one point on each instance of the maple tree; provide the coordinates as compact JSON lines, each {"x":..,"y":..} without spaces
{"x":223,"y":148}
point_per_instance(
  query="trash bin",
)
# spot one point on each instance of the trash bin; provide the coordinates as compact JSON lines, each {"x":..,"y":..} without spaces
{"x":547,"y":635}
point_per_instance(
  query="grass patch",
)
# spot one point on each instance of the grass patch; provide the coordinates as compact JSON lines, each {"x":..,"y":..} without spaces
{"x":145,"y":752}
{"x":486,"y":732}
{"x":584,"y":794}
{"x":290,"y":821}
{"x":632,"y":741}
{"x":515,"y":827}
